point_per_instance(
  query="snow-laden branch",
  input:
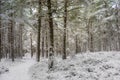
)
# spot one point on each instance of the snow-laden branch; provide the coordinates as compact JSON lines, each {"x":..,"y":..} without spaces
{"x":97,"y":12}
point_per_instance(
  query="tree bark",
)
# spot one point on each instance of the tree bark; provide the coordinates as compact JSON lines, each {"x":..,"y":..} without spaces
{"x":12,"y":37}
{"x":39,"y":32}
{"x":51,"y":26}
{"x":91,"y":43}
{"x":88,"y":32}
{"x":0,"y":34}
{"x":31,"y":45}
{"x":76,"y":41}
{"x":51,"y":54}
{"x":46,"y":43}
{"x":65,"y":25}
{"x":43,"y":43}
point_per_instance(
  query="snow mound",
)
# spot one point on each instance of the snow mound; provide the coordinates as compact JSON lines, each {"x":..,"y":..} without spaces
{"x":3,"y":69}
{"x":87,"y":66}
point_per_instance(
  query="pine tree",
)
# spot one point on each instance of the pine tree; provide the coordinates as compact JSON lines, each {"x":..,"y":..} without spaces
{"x":51,"y":54}
{"x":65,"y":25}
{"x":39,"y":31}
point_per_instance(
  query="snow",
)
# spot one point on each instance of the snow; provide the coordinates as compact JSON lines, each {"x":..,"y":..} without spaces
{"x":18,"y":70}
{"x":97,"y":12}
{"x":85,"y":66}
{"x":110,"y":18}
{"x":3,"y":69}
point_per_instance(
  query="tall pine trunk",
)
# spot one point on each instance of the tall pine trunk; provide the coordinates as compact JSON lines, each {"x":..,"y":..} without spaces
{"x":0,"y":34}
{"x":43,"y":42}
{"x":39,"y":32}
{"x":20,"y":44}
{"x":31,"y":45}
{"x":88,"y":33}
{"x":91,"y":43}
{"x":76,"y":42}
{"x":12,"y":37}
{"x":117,"y":25}
{"x":65,"y":25}
{"x":46,"y":43}
{"x":51,"y":54}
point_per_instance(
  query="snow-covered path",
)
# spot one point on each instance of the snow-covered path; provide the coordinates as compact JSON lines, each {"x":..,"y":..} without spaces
{"x":18,"y":72}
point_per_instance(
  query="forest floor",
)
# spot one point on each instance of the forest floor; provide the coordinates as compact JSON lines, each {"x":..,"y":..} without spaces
{"x":85,"y":66}
{"x":17,"y":70}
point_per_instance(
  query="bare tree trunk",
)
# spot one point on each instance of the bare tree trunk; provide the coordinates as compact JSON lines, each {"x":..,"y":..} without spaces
{"x":21,"y":40}
{"x":43,"y":42}
{"x":117,"y":25}
{"x":9,"y":40}
{"x":12,"y":38}
{"x":46,"y":43}
{"x":31,"y":45}
{"x":106,"y":25}
{"x":88,"y":32}
{"x":0,"y":34}
{"x":51,"y":54}
{"x":91,"y":42}
{"x":39,"y":32}
{"x":20,"y":47}
{"x":76,"y":41}
{"x":65,"y":25}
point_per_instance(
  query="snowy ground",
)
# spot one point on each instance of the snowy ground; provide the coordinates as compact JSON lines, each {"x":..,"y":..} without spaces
{"x":87,"y":66}
{"x":17,"y":70}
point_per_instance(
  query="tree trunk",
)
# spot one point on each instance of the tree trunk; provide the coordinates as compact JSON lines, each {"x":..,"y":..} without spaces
{"x":43,"y":43}
{"x":21,"y":40}
{"x":46,"y":43}
{"x":76,"y":41}
{"x":12,"y":38}
{"x":39,"y":32}
{"x":0,"y":34}
{"x":65,"y":25}
{"x":88,"y":32}
{"x":20,"y":47}
{"x":31,"y":45}
{"x":117,"y":25}
{"x":51,"y":62}
{"x":91,"y":43}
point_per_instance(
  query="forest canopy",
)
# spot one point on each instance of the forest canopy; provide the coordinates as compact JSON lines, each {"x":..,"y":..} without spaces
{"x":58,"y":27}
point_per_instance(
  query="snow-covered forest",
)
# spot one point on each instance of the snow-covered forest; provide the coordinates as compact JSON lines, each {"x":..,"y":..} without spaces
{"x":59,"y":39}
